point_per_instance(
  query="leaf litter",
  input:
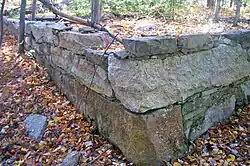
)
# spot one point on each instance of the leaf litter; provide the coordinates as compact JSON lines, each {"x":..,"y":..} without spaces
{"x":26,"y":88}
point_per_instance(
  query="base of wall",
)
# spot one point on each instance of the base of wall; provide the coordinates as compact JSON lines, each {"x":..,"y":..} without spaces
{"x":144,"y":139}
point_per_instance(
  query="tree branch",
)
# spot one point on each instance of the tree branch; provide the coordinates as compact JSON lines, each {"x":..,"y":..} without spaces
{"x":21,"y":27}
{"x":1,"y":22}
{"x":78,"y":19}
{"x":33,"y":10}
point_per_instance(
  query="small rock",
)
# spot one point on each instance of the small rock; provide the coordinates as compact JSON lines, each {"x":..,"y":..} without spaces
{"x":35,"y":125}
{"x":71,"y":159}
{"x":144,"y":25}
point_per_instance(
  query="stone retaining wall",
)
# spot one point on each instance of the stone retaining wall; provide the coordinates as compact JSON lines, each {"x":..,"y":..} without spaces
{"x":155,"y":96}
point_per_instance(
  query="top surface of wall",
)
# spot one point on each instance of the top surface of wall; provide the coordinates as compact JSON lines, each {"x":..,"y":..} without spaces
{"x":153,"y":72}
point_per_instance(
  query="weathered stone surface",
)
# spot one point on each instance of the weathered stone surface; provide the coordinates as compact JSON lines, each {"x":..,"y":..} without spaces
{"x":97,"y":57}
{"x":150,"y":84}
{"x":122,"y":54}
{"x":12,"y":25}
{"x":62,"y":58}
{"x":58,"y":26}
{"x":41,"y":48}
{"x":194,"y":43}
{"x":28,"y":25}
{"x":165,"y":130}
{"x":35,"y":125}
{"x":246,"y":90}
{"x":145,"y":46}
{"x":78,"y":42}
{"x":213,"y":115}
{"x":135,"y":134}
{"x":42,"y":32}
{"x":71,"y":159}
{"x":204,"y":110}
{"x":85,"y":70}
{"x":241,"y":37}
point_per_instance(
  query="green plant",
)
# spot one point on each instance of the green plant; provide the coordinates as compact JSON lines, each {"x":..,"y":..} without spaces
{"x":80,"y":7}
{"x":129,"y":7}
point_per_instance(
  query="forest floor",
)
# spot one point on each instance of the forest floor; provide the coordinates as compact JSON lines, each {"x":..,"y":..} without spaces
{"x":25,"y":89}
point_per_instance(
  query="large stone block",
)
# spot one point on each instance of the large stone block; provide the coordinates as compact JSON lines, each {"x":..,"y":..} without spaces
{"x":83,"y":69}
{"x":148,"y":46}
{"x":151,"y":84}
{"x":46,"y":32}
{"x":77,"y":42}
{"x":28,"y":25}
{"x":203,"y":111}
{"x":144,"y":139}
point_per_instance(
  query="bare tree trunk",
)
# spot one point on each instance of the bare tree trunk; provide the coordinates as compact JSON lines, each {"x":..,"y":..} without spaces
{"x":22,"y":27}
{"x":217,"y":10}
{"x":1,"y":22}
{"x":210,"y":3}
{"x":96,"y":11}
{"x":231,"y":3}
{"x":237,"y":14}
{"x":33,"y":10}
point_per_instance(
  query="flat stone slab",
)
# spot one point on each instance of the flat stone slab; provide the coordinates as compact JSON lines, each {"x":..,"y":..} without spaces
{"x":43,"y":33}
{"x":77,"y":42}
{"x":194,"y":43}
{"x":35,"y":125}
{"x":148,"y":46}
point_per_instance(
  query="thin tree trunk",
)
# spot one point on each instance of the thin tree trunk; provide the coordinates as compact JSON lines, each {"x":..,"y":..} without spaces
{"x":1,"y":22}
{"x":237,"y":13}
{"x":33,"y":10}
{"x":22,"y":27}
{"x":78,"y":19}
{"x":217,"y":10}
{"x":231,"y":3}
{"x":96,"y":11}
